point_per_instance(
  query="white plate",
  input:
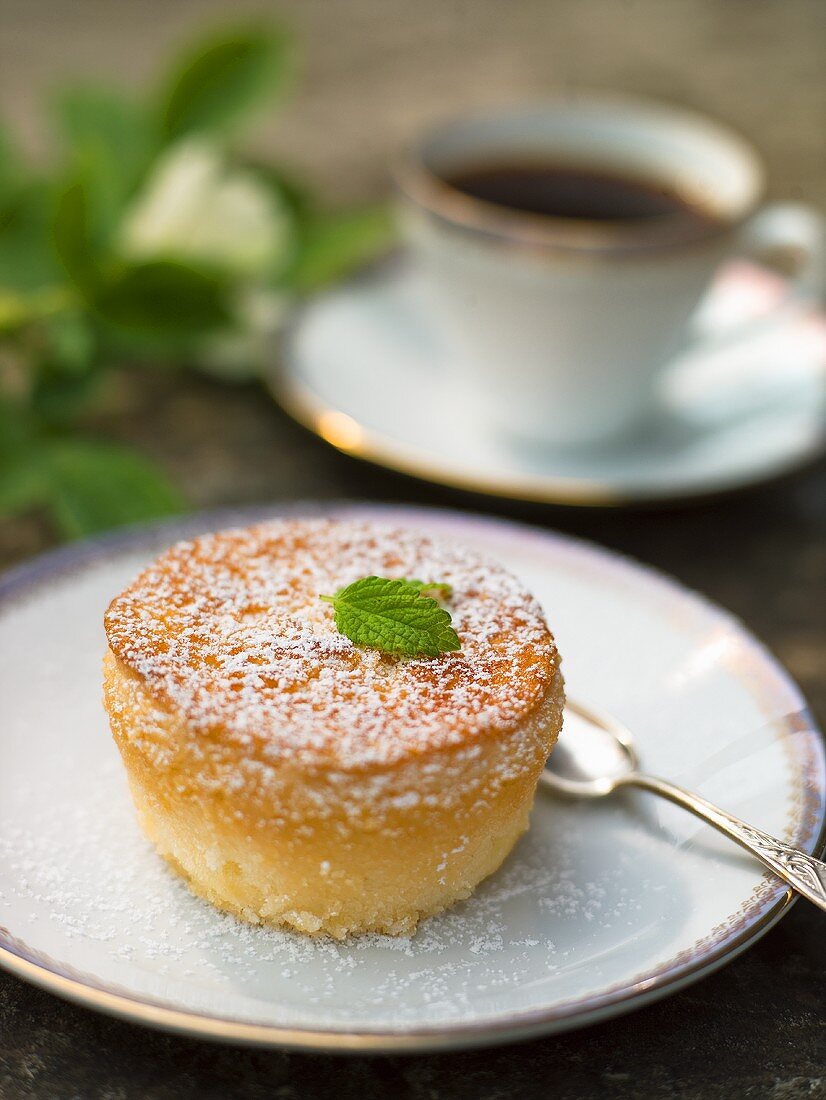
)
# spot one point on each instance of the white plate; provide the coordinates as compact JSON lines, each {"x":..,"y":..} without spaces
{"x":600,"y":908}
{"x":365,"y":369}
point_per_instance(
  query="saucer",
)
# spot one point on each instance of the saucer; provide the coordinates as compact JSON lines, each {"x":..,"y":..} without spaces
{"x":601,"y":907}
{"x":748,"y":405}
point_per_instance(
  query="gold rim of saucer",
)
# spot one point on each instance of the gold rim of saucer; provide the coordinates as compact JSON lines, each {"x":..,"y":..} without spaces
{"x":342,"y":432}
{"x":347,"y":435}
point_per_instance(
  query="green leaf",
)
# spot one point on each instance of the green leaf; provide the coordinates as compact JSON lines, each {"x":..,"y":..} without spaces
{"x":95,"y":486}
{"x":23,"y":486}
{"x":289,"y":190}
{"x":66,"y":374}
{"x":73,"y":236}
{"x":444,"y":591}
{"x":60,"y":400}
{"x":70,"y":342}
{"x":334,"y":244}
{"x":27,"y":257}
{"x":18,"y":310}
{"x":10,"y":167}
{"x":164,"y":300}
{"x":294,"y":198}
{"x":15,"y":310}
{"x":223,"y":79}
{"x":15,"y":431}
{"x":109,"y":141}
{"x":393,"y":616}
{"x":97,"y":118}
{"x":23,"y":481}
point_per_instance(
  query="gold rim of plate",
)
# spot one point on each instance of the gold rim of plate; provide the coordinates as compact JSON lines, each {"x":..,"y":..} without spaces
{"x":522,"y":1026}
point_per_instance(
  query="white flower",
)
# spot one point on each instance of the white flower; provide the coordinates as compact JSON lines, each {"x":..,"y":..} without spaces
{"x":197,"y":208}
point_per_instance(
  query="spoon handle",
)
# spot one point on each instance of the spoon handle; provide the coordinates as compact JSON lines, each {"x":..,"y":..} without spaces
{"x":803,"y":872}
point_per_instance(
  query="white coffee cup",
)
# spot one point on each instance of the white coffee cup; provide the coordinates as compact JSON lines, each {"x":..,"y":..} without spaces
{"x":563,"y":327}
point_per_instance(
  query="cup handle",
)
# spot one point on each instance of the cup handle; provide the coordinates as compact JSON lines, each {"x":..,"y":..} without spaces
{"x":791,"y":238}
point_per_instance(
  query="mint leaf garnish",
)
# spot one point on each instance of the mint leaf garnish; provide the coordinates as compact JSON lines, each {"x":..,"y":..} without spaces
{"x":394,"y":616}
{"x":438,"y":589}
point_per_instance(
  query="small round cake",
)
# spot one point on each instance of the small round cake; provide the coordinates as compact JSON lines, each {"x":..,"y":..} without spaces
{"x":294,"y":777}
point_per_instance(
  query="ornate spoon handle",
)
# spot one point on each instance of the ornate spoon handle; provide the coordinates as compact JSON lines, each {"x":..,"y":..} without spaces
{"x":803,"y":872}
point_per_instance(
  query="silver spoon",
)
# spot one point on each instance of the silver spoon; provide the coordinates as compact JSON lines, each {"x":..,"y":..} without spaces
{"x":600,"y":758}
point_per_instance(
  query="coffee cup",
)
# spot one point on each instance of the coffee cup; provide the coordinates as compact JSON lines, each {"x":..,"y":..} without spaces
{"x":566,"y":245}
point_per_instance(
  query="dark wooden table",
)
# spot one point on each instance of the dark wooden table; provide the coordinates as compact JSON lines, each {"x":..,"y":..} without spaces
{"x":376,"y":72}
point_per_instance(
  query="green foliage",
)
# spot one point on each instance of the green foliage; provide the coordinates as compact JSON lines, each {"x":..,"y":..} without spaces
{"x":9,"y":166}
{"x":24,"y":483}
{"x":163,"y":299}
{"x":72,"y":234}
{"x":84,"y":485}
{"x":97,"y":485}
{"x":27,"y":257}
{"x":335,"y":243}
{"x":218,"y":82}
{"x":144,"y":243}
{"x":108,"y":143}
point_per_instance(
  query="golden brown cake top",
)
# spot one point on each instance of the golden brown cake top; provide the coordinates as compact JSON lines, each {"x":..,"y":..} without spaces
{"x":229,"y":629}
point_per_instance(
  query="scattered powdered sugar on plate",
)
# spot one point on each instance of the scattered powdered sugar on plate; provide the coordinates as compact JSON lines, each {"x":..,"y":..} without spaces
{"x":97,"y":898}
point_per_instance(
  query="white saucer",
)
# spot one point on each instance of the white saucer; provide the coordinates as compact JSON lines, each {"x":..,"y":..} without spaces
{"x":361,"y":360}
{"x":600,"y":908}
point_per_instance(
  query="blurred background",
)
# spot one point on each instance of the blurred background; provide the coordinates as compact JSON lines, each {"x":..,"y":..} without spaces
{"x":372,"y":73}
{"x":96,"y":138}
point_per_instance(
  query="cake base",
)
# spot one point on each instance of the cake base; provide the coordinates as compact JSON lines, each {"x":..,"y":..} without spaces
{"x":327,"y":852}
{"x":238,"y":880}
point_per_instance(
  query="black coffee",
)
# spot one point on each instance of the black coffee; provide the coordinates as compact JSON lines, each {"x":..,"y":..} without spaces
{"x":560,"y":191}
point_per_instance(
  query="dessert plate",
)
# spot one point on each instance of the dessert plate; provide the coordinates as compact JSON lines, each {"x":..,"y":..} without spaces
{"x":598,"y":910}
{"x":364,"y":368}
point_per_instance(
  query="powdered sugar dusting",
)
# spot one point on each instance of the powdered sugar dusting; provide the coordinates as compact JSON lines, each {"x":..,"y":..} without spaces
{"x":229,"y":628}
